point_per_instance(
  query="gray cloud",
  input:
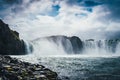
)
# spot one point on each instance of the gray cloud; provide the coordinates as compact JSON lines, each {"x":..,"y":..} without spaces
{"x":113,"y":6}
{"x":112,"y":34}
{"x":8,"y":7}
{"x":17,"y":6}
{"x":73,"y":15}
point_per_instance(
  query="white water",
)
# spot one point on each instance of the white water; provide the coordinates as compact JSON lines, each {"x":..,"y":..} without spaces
{"x":75,"y":66}
{"x":47,"y":48}
{"x":27,"y":47}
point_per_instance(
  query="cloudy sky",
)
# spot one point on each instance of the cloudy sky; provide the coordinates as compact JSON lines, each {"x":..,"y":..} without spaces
{"x":83,"y":18}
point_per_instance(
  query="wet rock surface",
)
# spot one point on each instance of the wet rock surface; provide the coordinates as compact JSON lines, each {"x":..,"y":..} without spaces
{"x":14,"y":69}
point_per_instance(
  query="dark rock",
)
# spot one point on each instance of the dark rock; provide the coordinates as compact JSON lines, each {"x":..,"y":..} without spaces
{"x":10,"y":43}
{"x":77,"y":44}
{"x":90,"y":40}
{"x":23,"y":70}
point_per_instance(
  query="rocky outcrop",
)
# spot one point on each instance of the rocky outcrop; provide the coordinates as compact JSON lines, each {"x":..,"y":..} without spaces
{"x":10,"y":43}
{"x":70,"y":44}
{"x":77,"y":44}
{"x":14,"y":69}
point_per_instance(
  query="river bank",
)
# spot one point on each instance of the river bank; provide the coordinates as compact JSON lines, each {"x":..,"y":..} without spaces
{"x":14,"y":69}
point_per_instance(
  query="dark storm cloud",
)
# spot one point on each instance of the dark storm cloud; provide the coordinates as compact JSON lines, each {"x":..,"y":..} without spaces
{"x":84,"y":3}
{"x":114,"y":7}
{"x":91,"y":3}
{"x":10,"y":2}
{"x":73,"y":2}
{"x":4,"y":4}
{"x":112,"y":35}
{"x":9,"y":6}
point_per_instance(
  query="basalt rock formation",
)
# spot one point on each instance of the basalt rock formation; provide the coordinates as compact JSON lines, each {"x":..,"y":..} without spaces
{"x":10,"y":43}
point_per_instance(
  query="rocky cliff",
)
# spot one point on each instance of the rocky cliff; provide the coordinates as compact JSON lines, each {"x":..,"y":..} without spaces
{"x":10,"y":43}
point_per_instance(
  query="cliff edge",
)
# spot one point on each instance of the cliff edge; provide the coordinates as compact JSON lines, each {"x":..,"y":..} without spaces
{"x":10,"y":43}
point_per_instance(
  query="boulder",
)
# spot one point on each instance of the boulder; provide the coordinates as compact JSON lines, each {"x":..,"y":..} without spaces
{"x":10,"y":43}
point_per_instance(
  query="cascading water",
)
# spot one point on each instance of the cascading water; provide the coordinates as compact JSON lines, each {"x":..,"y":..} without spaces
{"x":56,"y":45}
{"x":28,"y":47}
{"x":102,"y":46}
{"x":94,"y":61}
{"x":96,"y":47}
{"x":45,"y":47}
{"x":63,"y":46}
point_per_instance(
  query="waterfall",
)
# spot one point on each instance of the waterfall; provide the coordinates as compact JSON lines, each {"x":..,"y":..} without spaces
{"x":62,"y":45}
{"x":102,"y":46}
{"x":46,"y":47}
{"x":28,"y":47}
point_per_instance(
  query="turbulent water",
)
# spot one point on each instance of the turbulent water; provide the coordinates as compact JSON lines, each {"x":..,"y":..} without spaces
{"x":84,"y":68}
{"x":80,"y":67}
{"x":95,"y":63}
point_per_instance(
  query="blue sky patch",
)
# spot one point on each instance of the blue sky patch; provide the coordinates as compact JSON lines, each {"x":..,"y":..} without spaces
{"x":55,"y":10}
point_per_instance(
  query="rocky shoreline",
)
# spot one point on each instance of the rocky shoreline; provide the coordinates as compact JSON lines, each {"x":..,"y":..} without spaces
{"x":14,"y":69}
